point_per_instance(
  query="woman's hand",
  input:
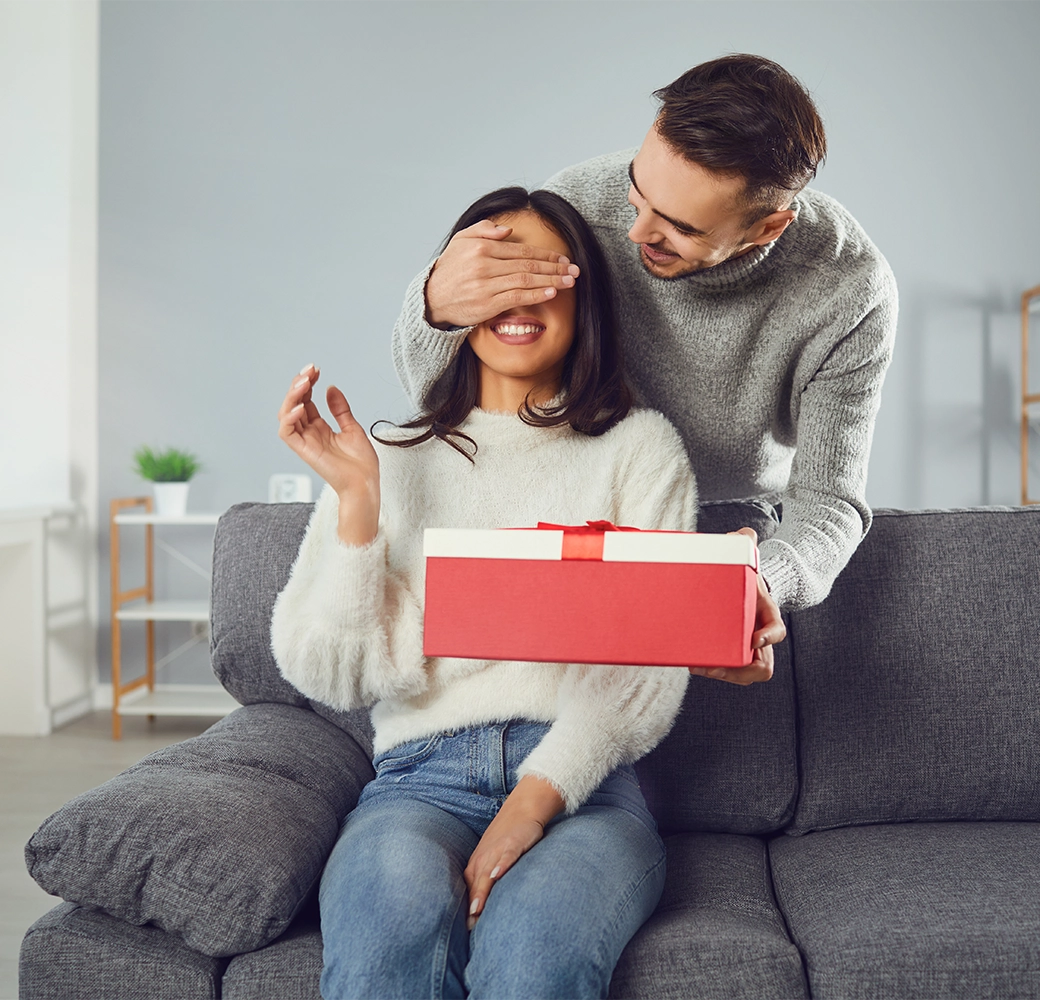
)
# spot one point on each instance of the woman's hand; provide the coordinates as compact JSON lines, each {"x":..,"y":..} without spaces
{"x":345,"y":460}
{"x":519,"y":825}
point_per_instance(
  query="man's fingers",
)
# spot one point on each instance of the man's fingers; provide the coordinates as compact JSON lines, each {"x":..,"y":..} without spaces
{"x":485,"y":229}
{"x":531,"y":257}
{"x":770,"y":635}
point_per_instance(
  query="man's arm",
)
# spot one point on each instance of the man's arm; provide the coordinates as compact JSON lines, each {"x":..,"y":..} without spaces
{"x":825,"y":512}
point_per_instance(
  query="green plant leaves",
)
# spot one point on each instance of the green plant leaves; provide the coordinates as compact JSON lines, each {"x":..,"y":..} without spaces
{"x":169,"y":466}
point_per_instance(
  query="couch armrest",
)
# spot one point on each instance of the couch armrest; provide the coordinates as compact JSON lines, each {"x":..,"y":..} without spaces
{"x":218,"y":839}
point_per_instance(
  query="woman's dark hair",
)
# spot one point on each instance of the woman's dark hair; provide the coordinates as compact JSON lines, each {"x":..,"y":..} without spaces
{"x":745,"y":114}
{"x":595,"y":395}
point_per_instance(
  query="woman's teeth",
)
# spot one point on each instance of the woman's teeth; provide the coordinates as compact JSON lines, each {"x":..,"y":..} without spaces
{"x":516,"y":329}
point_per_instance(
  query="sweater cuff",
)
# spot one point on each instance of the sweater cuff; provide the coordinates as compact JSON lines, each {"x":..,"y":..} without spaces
{"x":782,"y":575}
{"x":438,"y":344}
{"x":574,"y":762}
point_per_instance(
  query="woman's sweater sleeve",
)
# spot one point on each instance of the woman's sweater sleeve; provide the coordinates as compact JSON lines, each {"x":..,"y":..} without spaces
{"x":346,"y":631}
{"x":613,"y":715}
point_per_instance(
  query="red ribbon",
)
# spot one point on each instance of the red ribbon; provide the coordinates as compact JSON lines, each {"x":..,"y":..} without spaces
{"x":583,"y":541}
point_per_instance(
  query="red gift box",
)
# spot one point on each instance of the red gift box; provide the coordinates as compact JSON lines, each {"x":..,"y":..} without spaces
{"x":590,"y":594}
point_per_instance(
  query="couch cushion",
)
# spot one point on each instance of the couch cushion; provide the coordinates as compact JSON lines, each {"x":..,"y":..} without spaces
{"x":74,"y":953}
{"x":218,"y":839}
{"x":254,"y":548}
{"x":915,"y":910}
{"x":288,"y":969}
{"x":716,"y":933}
{"x":916,"y":680}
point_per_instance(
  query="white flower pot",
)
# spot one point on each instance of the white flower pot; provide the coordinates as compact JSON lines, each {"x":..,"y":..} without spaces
{"x":171,"y":499}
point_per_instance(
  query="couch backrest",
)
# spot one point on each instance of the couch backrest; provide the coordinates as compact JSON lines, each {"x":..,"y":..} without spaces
{"x":917,"y":680}
{"x":253,"y":551}
{"x":728,"y":765}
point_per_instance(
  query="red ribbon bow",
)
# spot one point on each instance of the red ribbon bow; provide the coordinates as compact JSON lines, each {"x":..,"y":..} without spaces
{"x":583,"y":541}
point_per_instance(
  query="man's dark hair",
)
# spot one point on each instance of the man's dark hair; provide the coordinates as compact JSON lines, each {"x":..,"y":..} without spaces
{"x":746,"y":115}
{"x":595,"y":393}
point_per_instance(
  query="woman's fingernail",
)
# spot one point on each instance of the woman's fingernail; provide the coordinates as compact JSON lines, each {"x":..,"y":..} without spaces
{"x":564,"y":260}
{"x":301,"y":382}
{"x":471,"y":923}
{"x":305,"y":369}
{"x":474,"y":906}
{"x":550,"y":292}
{"x":496,"y":871}
{"x":574,"y":270}
{"x":568,"y":281}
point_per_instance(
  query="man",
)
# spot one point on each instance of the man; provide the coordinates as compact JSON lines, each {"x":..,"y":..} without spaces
{"x":755,"y":313}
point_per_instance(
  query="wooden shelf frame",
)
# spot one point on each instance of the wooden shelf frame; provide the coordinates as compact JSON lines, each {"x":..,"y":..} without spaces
{"x":121,"y":597}
{"x":1029,"y":398}
{"x":140,"y":695}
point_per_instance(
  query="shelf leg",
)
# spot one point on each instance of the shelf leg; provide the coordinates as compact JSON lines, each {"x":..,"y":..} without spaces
{"x":117,"y":722}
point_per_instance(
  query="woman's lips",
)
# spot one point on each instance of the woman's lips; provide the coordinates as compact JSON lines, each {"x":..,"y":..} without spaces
{"x":658,"y":256}
{"x":517,"y":330}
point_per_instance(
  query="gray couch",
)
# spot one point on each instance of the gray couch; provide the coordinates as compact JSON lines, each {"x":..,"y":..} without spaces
{"x":865,"y":825}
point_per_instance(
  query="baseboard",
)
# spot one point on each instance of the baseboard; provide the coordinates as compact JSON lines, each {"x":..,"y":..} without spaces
{"x":75,"y":709}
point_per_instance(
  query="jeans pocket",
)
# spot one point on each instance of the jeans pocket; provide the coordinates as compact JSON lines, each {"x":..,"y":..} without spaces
{"x":406,"y":754}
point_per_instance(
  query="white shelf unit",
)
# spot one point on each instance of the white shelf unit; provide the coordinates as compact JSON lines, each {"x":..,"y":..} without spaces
{"x":142,"y":696}
{"x":1030,"y":397}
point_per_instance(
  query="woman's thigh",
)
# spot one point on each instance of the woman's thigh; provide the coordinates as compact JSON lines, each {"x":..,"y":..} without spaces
{"x":392,"y":902}
{"x":556,"y":923}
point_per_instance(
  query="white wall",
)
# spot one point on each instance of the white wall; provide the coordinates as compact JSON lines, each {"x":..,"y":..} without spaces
{"x":48,"y":315}
{"x":273,"y":173}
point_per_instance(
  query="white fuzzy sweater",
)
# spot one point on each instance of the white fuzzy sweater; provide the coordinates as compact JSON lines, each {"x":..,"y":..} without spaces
{"x":347,"y":630}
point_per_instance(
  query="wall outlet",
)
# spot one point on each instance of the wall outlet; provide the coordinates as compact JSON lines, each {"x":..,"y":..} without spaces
{"x":289,"y":488}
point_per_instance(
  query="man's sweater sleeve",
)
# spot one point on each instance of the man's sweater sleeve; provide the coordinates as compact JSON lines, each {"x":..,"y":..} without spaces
{"x":825,"y":511}
{"x":613,"y":715}
{"x":422,"y":353}
{"x":345,"y":631}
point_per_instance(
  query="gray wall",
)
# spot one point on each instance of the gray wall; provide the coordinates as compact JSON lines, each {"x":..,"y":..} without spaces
{"x":272,"y":175}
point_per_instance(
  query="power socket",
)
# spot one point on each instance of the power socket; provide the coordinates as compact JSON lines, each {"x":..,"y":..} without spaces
{"x":289,"y":488}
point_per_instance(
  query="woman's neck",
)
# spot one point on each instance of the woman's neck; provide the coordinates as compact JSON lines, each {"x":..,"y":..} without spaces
{"x":506,"y":393}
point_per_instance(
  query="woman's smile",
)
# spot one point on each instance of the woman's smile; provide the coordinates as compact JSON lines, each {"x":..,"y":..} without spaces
{"x":516,"y":330}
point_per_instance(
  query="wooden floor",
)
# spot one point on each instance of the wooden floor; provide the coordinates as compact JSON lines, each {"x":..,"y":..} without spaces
{"x":37,"y":776}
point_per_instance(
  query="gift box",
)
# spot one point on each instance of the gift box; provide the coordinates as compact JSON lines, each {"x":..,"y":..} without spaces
{"x":592,"y":593}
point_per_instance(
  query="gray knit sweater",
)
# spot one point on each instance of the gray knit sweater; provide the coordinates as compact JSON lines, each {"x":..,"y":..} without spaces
{"x":770,"y":366}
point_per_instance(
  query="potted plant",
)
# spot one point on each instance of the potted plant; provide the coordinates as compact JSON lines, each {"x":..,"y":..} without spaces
{"x":169,"y":472}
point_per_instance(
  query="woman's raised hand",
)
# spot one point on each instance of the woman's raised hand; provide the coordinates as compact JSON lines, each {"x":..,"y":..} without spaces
{"x":345,"y":459}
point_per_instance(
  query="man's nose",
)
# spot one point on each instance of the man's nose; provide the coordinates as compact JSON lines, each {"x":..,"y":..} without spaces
{"x":644,"y":231}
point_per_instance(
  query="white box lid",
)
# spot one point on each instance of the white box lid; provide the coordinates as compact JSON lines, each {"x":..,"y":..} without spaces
{"x":618,"y":546}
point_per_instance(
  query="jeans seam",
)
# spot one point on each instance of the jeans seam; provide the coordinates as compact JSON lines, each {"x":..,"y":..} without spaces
{"x":440,"y":954}
{"x":624,"y":903}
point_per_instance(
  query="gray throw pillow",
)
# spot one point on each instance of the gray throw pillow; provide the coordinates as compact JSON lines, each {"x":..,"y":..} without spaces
{"x":219,"y":839}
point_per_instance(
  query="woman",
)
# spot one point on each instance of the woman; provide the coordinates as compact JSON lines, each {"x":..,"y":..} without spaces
{"x":504,"y":848}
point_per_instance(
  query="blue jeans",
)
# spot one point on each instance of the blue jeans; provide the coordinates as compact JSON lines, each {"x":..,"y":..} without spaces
{"x":394,"y":901}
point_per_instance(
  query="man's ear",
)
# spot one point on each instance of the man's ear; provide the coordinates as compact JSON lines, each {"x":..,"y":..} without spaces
{"x":770,"y":228}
